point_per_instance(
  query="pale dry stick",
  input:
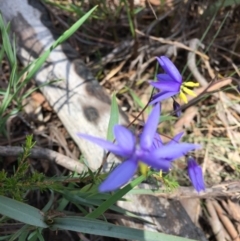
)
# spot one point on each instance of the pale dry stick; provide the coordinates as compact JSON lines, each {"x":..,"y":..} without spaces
{"x":60,"y":139}
{"x":232,"y":209}
{"x":154,"y":13}
{"x":113,"y":72}
{"x":191,"y":62}
{"x":232,"y":63}
{"x":175,"y":43}
{"x":166,"y":50}
{"x":227,"y":189}
{"x":194,"y":43}
{"x":226,"y":222}
{"x":215,"y":223}
{"x":142,"y":69}
{"x":123,"y":47}
{"x":43,"y":153}
{"x":220,"y":128}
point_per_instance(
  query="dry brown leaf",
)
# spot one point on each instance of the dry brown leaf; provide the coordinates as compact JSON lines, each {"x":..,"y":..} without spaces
{"x":113,"y":72}
{"x":39,"y":99}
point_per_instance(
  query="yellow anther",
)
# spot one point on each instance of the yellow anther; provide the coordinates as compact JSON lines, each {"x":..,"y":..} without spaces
{"x":160,"y":173}
{"x":183,"y":97}
{"x":143,"y":168}
{"x":190,"y":84}
{"x":188,"y":91}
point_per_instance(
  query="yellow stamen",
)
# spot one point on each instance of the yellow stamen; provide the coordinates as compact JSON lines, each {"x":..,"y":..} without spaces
{"x":160,"y":173}
{"x":183,"y":97}
{"x":190,"y":84}
{"x":188,"y":91}
{"x":143,"y":168}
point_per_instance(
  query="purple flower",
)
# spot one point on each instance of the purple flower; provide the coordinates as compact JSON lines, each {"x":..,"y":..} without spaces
{"x":196,"y":175}
{"x":168,"y":83}
{"x":136,"y":149}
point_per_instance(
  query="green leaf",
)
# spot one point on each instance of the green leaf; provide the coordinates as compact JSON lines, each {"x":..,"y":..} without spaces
{"x":6,"y":42}
{"x":39,"y":62}
{"x":115,"y":197}
{"x":167,"y":118}
{"x":21,"y":234}
{"x":114,"y":118}
{"x":77,"y":199}
{"x":136,"y":98}
{"x":49,"y":203}
{"x":97,"y":227}
{"x":5,"y":237}
{"x":21,"y":212}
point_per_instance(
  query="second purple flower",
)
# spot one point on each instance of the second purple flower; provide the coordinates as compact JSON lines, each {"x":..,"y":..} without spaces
{"x":168,"y":83}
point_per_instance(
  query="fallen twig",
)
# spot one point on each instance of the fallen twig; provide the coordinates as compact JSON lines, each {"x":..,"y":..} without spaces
{"x":215,"y":223}
{"x":226,"y":222}
{"x":44,"y":153}
{"x":226,"y":189}
{"x":194,"y":43}
{"x":175,"y":43}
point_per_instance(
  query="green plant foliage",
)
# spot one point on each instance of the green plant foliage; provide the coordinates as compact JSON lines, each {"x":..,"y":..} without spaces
{"x":21,"y":212}
{"x":21,"y":181}
{"x":91,"y":226}
{"x":114,"y":118}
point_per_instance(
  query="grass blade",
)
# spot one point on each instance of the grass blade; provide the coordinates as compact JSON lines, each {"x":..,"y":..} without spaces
{"x":113,"y":199}
{"x":97,"y":227}
{"x":21,"y":212}
{"x":114,"y":118}
{"x":39,"y":62}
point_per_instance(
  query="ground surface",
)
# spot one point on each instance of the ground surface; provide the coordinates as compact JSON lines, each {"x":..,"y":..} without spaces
{"x":119,"y":45}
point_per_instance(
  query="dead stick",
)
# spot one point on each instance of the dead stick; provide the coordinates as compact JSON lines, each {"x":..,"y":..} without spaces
{"x":44,"y":153}
{"x":226,"y":222}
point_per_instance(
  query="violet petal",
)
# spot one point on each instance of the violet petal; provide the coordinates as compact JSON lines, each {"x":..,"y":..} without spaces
{"x":173,"y":151}
{"x":125,"y":139}
{"x":156,"y":163}
{"x":149,"y":130}
{"x":107,"y":145}
{"x":119,"y":176}
{"x":170,"y":68}
{"x":166,"y":85}
{"x":176,"y":138}
{"x":162,"y":96}
{"x":157,"y":141}
{"x":196,"y":175}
